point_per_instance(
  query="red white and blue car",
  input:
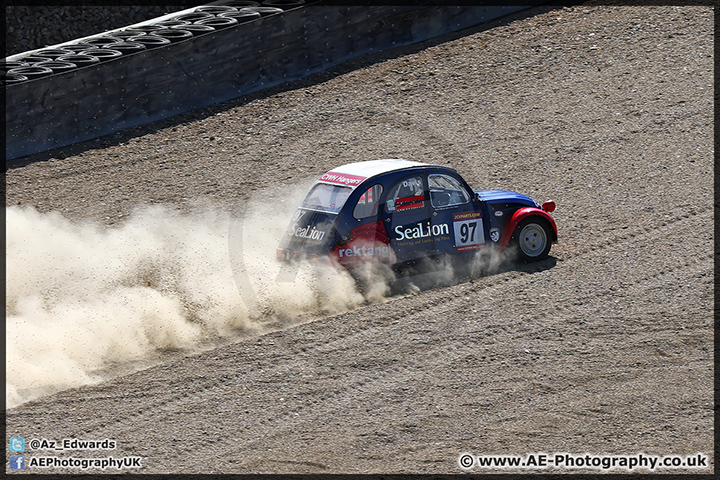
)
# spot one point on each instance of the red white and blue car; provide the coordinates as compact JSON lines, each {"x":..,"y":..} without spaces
{"x":398,"y":212}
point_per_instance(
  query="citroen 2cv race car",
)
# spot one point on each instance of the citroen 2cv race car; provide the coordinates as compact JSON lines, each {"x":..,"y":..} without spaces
{"x":398,"y":212}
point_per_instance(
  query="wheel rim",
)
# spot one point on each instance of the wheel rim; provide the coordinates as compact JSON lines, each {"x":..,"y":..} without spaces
{"x":533,"y":240}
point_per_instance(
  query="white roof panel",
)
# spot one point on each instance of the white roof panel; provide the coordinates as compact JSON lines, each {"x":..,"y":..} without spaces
{"x":353,"y":174}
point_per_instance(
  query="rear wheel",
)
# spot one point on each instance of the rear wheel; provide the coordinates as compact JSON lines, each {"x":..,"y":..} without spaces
{"x":373,"y":279}
{"x":533,"y":239}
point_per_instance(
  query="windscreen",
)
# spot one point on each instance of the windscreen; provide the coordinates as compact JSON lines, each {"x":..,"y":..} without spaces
{"x":327,"y":198}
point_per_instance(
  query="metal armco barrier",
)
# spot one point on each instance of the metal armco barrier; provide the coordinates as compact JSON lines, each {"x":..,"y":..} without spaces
{"x":130,"y":90}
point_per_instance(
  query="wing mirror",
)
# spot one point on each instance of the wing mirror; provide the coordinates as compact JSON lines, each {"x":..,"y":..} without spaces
{"x":549,"y":206}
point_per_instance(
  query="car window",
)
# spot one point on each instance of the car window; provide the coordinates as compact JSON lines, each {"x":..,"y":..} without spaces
{"x":408,"y":194}
{"x":367,"y":204}
{"x":446,"y":191}
{"x":328,"y":198}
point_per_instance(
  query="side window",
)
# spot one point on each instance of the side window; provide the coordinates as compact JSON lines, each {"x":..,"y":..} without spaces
{"x":367,"y":204}
{"x":446,"y":191}
{"x":408,"y":194}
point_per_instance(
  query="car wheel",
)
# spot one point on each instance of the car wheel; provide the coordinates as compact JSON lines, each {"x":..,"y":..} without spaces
{"x":533,"y":239}
{"x":372,"y":279}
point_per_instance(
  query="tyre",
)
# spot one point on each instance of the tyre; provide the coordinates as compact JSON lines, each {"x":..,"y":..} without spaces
{"x":79,"y":59}
{"x":32,"y":72}
{"x":149,"y":41}
{"x":263,"y":11}
{"x":125,"y":34}
{"x":143,"y":28}
{"x":532,"y":239}
{"x":241,"y":17}
{"x":171,"y":23}
{"x":78,"y":47}
{"x":195,"y":29}
{"x":173,"y":34}
{"x":33,"y":59}
{"x":373,"y":279}
{"x":52,"y":53}
{"x":103,"y":54}
{"x":128,"y":48}
{"x":217,"y":22}
{"x":57,"y":67}
{"x":99,"y":42}
{"x":11,"y":78}
{"x":193,"y":16}
{"x":215,"y":9}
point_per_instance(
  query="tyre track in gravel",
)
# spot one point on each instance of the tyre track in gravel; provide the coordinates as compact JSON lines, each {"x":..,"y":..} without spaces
{"x":364,"y":387}
{"x":152,"y":411}
{"x":399,"y":375}
{"x":633,"y":288}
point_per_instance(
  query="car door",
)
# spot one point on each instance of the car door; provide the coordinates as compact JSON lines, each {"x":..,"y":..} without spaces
{"x":406,"y":215}
{"x":455,"y":215}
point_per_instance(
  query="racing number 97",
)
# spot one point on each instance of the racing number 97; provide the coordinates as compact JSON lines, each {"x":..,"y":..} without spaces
{"x":467,"y":232}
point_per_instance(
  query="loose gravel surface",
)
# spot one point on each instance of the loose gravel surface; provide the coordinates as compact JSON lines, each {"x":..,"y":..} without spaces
{"x":604,"y":348}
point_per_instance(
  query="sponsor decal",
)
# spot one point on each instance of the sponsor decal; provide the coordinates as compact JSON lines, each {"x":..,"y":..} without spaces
{"x":309,"y":232}
{"x":468,"y":230}
{"x":365,"y":244}
{"x":409,"y":203}
{"x":415,"y":183}
{"x":466,"y":216}
{"x":420,"y":230}
{"x":381,"y":250}
{"x":498,"y":213}
{"x":495,"y":234}
{"x":342,"y":178}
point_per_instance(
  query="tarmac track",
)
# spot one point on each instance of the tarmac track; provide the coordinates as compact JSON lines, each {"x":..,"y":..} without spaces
{"x":604,"y":348}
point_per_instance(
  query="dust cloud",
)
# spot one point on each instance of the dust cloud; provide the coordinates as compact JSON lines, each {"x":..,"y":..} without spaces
{"x":82,"y":297}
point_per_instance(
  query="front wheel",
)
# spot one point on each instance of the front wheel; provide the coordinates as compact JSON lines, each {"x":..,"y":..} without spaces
{"x":533,"y":239}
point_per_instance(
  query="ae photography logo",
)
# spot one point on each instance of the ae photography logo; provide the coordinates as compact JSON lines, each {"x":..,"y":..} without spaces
{"x":568,"y":461}
{"x":19,"y":461}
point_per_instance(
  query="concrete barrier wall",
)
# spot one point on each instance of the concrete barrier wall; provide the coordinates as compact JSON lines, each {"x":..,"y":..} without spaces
{"x":100,"y":99}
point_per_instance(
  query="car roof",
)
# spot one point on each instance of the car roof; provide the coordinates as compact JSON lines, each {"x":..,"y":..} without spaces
{"x":353,"y":174}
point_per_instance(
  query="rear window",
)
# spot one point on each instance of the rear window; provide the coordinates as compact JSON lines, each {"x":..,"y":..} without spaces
{"x":328,"y":198}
